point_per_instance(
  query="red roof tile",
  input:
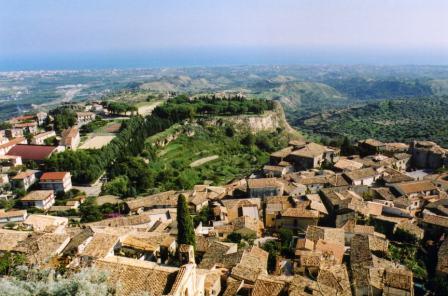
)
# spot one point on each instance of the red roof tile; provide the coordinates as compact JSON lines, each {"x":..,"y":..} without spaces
{"x":53,"y":176}
{"x":32,"y":152}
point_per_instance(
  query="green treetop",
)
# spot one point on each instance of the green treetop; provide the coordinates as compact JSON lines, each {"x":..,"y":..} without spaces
{"x":185,"y":230}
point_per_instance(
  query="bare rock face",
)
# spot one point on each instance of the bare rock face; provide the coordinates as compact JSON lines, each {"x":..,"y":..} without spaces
{"x":426,"y":154}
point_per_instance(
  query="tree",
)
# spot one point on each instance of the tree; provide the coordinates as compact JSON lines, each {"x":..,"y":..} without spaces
{"x":33,"y":281}
{"x":117,"y":186}
{"x":273,"y":248}
{"x":8,"y":261}
{"x":205,"y":215}
{"x":185,"y":230}
{"x":248,"y":140}
{"x":90,"y":211}
{"x":285,"y":236}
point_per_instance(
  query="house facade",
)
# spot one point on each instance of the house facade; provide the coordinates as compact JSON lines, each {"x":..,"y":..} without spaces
{"x":70,"y":138}
{"x":12,"y":216}
{"x":41,"y":199}
{"x":39,"y":139}
{"x":57,"y":181}
{"x":24,"y":179}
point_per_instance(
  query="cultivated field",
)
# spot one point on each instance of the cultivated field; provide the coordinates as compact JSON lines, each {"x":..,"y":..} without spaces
{"x":146,"y":108}
{"x":96,"y":142}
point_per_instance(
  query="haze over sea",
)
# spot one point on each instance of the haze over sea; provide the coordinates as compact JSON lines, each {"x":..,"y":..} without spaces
{"x":216,"y":57}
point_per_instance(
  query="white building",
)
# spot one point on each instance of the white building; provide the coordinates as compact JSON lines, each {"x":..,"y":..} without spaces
{"x":57,"y":181}
{"x":71,"y":138}
{"x":24,"y":179}
{"x":12,"y":216}
{"x":41,"y":199}
{"x":39,"y":139}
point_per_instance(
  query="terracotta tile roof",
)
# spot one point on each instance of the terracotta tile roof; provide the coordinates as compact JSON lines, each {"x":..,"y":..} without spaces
{"x":59,"y":208}
{"x":37,"y":195}
{"x":311,"y":180}
{"x":78,"y":236}
{"x":32,"y":152}
{"x":337,"y":180}
{"x":267,"y":286}
{"x":436,"y":220}
{"x":23,"y":175}
{"x":13,"y":142}
{"x":44,"y":222}
{"x":336,"y":249}
{"x":144,"y":218}
{"x":302,"y":286}
{"x":45,"y":134}
{"x":398,"y":278}
{"x":167,"y":199}
{"x":53,"y":176}
{"x":298,"y":143}
{"x":282,"y":153}
{"x":336,"y":277}
{"x":232,"y":288}
{"x":216,"y":255}
{"x":69,"y":134}
{"x":361,"y":174}
{"x":347,"y":164}
{"x":40,"y":248}
{"x":21,"y":118}
{"x":273,"y":168}
{"x":100,"y":245}
{"x":25,"y":124}
{"x":310,"y":150}
{"x":415,"y":187}
{"x":137,"y":277}
{"x":12,"y":213}
{"x":372,"y":142}
{"x":263,"y":182}
{"x":315,"y":233}
{"x":396,"y":177}
{"x":199,"y":198}
{"x":253,"y":263}
{"x":300,"y":213}
{"x":9,"y":239}
{"x":304,"y":244}
{"x":138,"y":244}
{"x":360,"y":251}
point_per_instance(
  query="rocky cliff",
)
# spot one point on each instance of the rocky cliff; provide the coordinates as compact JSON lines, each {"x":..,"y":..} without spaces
{"x":267,"y":122}
{"x":426,"y":154}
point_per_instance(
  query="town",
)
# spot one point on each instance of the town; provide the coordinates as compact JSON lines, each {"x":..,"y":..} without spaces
{"x":362,"y":219}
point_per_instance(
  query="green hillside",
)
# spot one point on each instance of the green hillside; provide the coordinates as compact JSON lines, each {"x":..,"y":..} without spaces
{"x":388,"y":120}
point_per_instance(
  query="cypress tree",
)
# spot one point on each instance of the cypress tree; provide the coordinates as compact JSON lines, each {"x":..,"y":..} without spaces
{"x":185,"y":230}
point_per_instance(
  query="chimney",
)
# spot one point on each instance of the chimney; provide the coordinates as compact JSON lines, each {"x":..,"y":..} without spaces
{"x":186,"y":254}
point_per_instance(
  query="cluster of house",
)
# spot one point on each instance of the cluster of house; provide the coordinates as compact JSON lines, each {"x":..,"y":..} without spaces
{"x":43,"y":195}
{"x":27,"y":138}
{"x":342,"y":211}
{"x":28,"y":141}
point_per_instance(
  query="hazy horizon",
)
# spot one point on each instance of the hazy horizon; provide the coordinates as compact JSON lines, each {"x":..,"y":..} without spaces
{"x":102,"y":34}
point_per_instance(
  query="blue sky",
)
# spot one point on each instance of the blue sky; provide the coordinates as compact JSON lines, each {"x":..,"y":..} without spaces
{"x":63,"y":27}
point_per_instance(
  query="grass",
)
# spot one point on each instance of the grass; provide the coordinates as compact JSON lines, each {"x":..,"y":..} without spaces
{"x":235,"y":160}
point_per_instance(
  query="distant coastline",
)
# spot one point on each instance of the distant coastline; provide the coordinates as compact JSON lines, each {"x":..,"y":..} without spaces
{"x":217,"y":57}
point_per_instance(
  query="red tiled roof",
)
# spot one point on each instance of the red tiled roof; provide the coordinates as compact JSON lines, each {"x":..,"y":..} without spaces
{"x":23,"y":175}
{"x":12,"y":142}
{"x":26,"y":124}
{"x":53,"y":176}
{"x":32,"y":152}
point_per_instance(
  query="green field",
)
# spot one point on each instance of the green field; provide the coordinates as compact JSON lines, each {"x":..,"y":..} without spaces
{"x":388,"y":120}
{"x":235,"y":160}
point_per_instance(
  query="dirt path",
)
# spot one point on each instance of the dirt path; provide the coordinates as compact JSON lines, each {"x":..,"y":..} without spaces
{"x":147,"y":109}
{"x":201,"y":161}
